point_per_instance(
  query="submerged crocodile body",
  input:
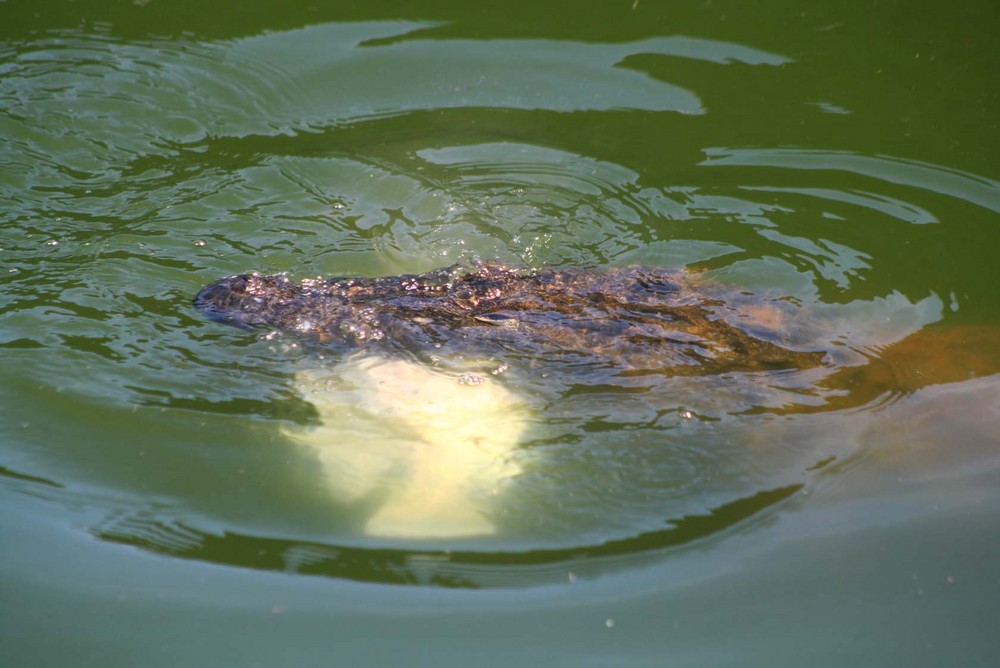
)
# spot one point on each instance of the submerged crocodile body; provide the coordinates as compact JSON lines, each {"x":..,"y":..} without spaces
{"x":602,"y":353}
{"x":633,"y":319}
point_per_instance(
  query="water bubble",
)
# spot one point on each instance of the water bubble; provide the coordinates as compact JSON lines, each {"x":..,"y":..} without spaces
{"x":199,"y":243}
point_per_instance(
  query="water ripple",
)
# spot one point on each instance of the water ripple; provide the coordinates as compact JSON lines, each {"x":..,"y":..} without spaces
{"x":137,"y":171}
{"x":935,"y":178}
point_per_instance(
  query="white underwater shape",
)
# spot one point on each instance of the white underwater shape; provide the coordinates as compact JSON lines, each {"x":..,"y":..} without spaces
{"x":430,"y":450}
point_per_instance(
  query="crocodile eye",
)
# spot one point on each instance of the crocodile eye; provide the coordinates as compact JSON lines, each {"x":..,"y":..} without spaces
{"x":465,"y":299}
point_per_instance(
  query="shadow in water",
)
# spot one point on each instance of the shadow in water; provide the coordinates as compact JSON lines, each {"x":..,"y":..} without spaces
{"x":437,"y":567}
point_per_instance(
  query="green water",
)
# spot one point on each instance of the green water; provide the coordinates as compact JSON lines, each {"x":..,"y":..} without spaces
{"x":843,"y":158}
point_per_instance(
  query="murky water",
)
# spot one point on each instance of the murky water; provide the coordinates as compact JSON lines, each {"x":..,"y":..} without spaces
{"x":162,"y":474}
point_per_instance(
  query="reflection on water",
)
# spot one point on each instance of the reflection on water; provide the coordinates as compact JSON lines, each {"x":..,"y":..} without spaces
{"x":903,"y":440}
{"x":371,"y":149}
{"x":449,"y":568}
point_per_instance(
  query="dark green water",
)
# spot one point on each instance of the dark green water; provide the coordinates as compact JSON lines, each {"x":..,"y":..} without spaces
{"x":842,"y":157}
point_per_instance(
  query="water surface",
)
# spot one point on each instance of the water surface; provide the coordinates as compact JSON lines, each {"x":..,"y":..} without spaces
{"x":837,"y":160}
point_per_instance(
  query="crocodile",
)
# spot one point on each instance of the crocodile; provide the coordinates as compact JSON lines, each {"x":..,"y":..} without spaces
{"x":436,"y":451}
{"x":634,"y":319}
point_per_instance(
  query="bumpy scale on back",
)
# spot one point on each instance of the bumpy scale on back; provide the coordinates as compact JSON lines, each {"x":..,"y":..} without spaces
{"x":634,"y":319}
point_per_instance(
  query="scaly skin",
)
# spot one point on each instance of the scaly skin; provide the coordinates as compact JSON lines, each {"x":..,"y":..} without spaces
{"x":635,"y":319}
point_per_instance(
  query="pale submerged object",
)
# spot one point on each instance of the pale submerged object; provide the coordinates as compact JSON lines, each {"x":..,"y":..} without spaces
{"x":429,"y":450}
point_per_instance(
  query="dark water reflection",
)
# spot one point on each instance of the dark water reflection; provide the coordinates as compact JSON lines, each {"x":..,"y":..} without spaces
{"x":451,"y":568}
